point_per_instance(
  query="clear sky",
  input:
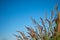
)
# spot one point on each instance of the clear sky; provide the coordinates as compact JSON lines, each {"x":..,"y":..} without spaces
{"x":14,"y":14}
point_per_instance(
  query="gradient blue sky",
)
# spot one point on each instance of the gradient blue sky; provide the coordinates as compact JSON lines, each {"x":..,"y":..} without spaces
{"x":14,"y":14}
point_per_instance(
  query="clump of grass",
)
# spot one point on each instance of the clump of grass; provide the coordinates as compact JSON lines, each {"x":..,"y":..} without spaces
{"x":50,"y":32}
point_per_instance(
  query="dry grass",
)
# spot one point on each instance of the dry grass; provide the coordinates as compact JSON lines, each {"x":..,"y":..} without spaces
{"x":41,"y":32}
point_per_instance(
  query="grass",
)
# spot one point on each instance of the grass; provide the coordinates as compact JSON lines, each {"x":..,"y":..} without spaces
{"x":49,"y":32}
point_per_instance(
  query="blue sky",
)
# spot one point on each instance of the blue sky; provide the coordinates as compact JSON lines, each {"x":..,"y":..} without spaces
{"x":14,"y":14}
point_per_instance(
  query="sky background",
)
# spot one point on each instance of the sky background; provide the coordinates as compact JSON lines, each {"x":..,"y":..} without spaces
{"x":14,"y":14}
